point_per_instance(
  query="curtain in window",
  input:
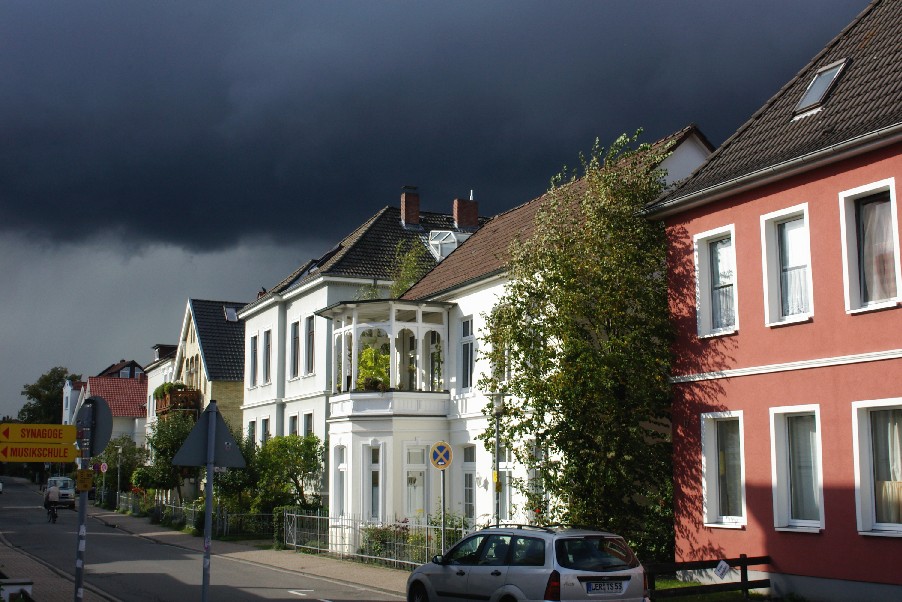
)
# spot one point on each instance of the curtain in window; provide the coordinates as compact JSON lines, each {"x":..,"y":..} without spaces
{"x":416,"y":492}
{"x":722,"y":310}
{"x":804,"y":498}
{"x":793,"y":267}
{"x":886,"y":443}
{"x":875,"y":249}
{"x":729,"y":463}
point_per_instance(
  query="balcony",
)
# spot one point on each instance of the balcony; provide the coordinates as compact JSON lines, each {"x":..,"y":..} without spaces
{"x":185,"y":400}
{"x":388,"y":357}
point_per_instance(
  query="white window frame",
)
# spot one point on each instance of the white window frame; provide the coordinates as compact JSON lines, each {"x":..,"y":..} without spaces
{"x":780,"y":473}
{"x":265,"y":435}
{"x":309,"y":345}
{"x":293,"y":424}
{"x":308,"y":424}
{"x":710,"y":497}
{"x":416,"y":467}
{"x":849,"y":233}
{"x":379,"y":468}
{"x":252,"y":430}
{"x":294,"y":342}
{"x":703,"y":304}
{"x":770,"y":263}
{"x":864,"y":468}
{"x":266,"y":352}
{"x":253,"y":352}
{"x":469,"y":368}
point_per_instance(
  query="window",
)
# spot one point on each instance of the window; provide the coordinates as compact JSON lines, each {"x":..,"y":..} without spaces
{"x":868,"y":220}
{"x":308,"y":348}
{"x":786,"y":256}
{"x":796,"y":467}
{"x":528,"y":551}
{"x":295,"y":349}
{"x":253,"y":362}
{"x":723,"y":470}
{"x":308,"y":424}
{"x":293,"y":425}
{"x":819,"y":87}
{"x":374,"y":482}
{"x":436,"y":361}
{"x":264,"y":428}
{"x":877,"y":446}
{"x":125,"y":373}
{"x":464,"y":553}
{"x":467,"y":344}
{"x":416,"y":481}
{"x":341,"y":471}
{"x":505,"y":478}
{"x":494,"y":552}
{"x":252,"y":430}
{"x":231,"y":313}
{"x":267,"y":349}
{"x":469,"y":467}
{"x":715,"y":274}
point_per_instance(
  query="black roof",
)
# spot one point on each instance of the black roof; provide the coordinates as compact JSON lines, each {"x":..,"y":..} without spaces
{"x":369,"y":251}
{"x":864,"y":105}
{"x":221,"y":341}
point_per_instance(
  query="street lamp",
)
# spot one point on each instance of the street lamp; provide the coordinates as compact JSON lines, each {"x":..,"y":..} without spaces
{"x":497,"y":411}
{"x":118,"y":474}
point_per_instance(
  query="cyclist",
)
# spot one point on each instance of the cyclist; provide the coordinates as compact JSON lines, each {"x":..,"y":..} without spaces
{"x":51,"y":499}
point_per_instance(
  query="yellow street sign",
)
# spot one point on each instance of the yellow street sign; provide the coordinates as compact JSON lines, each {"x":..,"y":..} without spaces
{"x":37,"y":452}
{"x":63,"y":434}
{"x":84,"y":480}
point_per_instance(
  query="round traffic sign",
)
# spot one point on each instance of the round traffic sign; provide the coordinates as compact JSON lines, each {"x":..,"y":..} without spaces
{"x":441,"y":455}
{"x":103,"y":467}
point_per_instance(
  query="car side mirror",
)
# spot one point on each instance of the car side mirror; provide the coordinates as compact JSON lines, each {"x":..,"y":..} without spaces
{"x":438,"y":559}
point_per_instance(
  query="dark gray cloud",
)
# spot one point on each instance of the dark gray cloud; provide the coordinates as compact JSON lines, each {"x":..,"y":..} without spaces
{"x":201,"y":124}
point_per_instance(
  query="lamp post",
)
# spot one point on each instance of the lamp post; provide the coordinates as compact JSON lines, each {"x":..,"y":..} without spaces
{"x":497,"y":411}
{"x":118,"y":474}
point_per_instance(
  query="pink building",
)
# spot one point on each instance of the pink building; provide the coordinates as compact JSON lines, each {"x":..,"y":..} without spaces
{"x":786,"y":285}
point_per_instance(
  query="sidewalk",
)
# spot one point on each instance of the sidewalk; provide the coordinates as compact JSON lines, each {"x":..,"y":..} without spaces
{"x":51,"y":585}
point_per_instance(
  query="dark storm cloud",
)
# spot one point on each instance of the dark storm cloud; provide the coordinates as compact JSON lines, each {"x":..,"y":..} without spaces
{"x":204,"y":123}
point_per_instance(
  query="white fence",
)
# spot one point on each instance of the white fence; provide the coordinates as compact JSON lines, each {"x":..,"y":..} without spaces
{"x":402,"y":543}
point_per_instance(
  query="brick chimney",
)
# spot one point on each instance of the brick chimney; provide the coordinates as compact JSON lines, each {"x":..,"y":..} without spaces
{"x":466,"y":214}
{"x":410,"y":206}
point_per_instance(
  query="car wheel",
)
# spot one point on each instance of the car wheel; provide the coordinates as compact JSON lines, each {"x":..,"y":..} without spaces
{"x":417,"y":593}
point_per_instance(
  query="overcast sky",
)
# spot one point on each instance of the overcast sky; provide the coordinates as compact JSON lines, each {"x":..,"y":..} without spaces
{"x":151,"y":152}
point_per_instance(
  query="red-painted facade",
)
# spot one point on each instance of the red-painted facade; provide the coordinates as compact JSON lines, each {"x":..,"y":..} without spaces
{"x":831,"y":360}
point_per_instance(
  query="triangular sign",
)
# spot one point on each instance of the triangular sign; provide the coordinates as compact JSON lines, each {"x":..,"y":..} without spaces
{"x":194,"y":450}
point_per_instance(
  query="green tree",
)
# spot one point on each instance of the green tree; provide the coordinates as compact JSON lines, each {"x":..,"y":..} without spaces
{"x":167,"y":435}
{"x":410,"y":265}
{"x":583,"y":332}
{"x":235,"y":487}
{"x":122,"y":457}
{"x":45,"y":395}
{"x":290,"y":470}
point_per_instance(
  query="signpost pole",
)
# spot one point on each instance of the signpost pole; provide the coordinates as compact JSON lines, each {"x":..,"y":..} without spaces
{"x":85,"y":423}
{"x":443,"y":512}
{"x":208,"y":495}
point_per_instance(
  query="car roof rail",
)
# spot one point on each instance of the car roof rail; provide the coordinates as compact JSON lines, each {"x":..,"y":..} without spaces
{"x":520,"y":526}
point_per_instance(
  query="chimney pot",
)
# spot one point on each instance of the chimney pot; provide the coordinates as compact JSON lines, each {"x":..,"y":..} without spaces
{"x":466,"y":214}
{"x":410,"y":206}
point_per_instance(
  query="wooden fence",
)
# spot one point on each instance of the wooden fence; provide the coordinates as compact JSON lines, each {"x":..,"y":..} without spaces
{"x":669,"y":568}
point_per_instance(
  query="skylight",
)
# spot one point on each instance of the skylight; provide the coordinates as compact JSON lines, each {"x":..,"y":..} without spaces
{"x":231,"y":314}
{"x":819,"y":87}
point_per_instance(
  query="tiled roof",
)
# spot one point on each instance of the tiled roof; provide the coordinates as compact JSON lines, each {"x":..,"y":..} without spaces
{"x":125,"y":396}
{"x":864,"y":105}
{"x":369,"y":251}
{"x":221,"y":342}
{"x":487,"y":252}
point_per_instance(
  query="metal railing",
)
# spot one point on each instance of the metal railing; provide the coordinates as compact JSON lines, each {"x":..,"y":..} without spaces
{"x":259,"y":526}
{"x":402,"y":543}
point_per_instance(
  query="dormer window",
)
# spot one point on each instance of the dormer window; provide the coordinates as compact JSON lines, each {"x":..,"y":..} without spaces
{"x":820,"y":86}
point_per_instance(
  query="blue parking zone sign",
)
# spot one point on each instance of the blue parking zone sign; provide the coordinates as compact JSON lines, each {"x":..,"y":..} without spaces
{"x":441,"y":455}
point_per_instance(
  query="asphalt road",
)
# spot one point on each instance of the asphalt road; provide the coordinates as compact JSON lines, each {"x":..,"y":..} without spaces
{"x":133,"y":568}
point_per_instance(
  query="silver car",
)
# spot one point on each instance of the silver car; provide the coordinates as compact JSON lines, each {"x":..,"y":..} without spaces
{"x":513,"y":563}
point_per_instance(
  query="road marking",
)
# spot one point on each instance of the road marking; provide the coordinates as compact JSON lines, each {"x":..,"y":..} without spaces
{"x":299,"y":592}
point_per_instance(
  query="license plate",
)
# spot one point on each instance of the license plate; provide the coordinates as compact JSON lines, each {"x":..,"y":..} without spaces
{"x":604,"y":587}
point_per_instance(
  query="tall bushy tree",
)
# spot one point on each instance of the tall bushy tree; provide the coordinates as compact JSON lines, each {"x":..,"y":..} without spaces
{"x":236,"y":487}
{"x":583,"y":331}
{"x":45,"y":397}
{"x":167,"y":435}
{"x":290,"y":467}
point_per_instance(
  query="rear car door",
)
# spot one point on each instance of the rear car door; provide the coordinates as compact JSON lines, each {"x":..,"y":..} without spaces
{"x":490,"y":572}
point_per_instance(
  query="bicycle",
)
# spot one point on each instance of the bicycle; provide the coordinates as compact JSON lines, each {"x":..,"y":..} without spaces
{"x":51,"y":514}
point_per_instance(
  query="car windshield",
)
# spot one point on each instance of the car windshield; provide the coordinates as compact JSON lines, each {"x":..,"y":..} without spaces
{"x":594,"y":553}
